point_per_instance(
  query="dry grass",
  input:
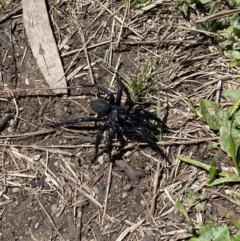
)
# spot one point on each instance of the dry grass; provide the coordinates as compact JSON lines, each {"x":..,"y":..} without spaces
{"x":55,"y":163}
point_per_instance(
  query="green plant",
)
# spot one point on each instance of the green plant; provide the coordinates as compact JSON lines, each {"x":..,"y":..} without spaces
{"x":229,"y":40}
{"x":233,"y":3}
{"x":226,"y":28}
{"x":209,"y":232}
{"x":218,"y":119}
{"x":184,"y":5}
{"x":226,"y":122}
{"x":140,"y":82}
{"x":2,"y":2}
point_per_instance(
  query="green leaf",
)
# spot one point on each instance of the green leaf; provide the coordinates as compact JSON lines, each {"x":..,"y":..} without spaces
{"x":214,"y":115}
{"x":225,"y":176}
{"x":235,"y":237}
{"x":213,"y":169}
{"x":237,"y":194}
{"x":185,"y":9}
{"x":200,"y":207}
{"x":205,"y":1}
{"x":225,"y":139}
{"x":233,"y":179}
{"x":234,"y":3}
{"x":232,"y":146}
{"x":228,"y":53}
{"x":220,"y":233}
{"x":182,"y":209}
{"x":235,"y":222}
{"x":233,"y":94}
{"x":233,"y":63}
{"x":234,"y":21}
{"x":193,"y":196}
{"x":236,"y":54}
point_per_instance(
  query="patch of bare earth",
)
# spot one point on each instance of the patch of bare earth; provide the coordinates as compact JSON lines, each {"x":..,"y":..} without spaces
{"x":49,"y":189}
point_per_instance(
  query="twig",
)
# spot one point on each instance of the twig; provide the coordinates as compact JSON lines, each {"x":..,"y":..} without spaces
{"x":86,"y":54}
{"x":218,"y":15}
{"x":107,"y":192}
{"x":36,"y":133}
{"x":50,"y":219}
{"x":155,"y":187}
{"x":13,"y":12}
{"x":97,"y":232}
{"x":119,"y":19}
{"x":129,"y":230}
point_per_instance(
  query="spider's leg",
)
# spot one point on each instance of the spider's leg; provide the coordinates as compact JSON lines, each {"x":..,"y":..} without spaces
{"x":149,"y":115}
{"x":122,"y":87}
{"x":98,"y":140}
{"x":75,"y":121}
{"x":106,"y":91}
{"x":112,"y":131}
{"x":154,"y":117}
{"x":146,"y":135}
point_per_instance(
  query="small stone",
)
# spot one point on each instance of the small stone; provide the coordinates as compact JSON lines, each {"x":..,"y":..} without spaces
{"x":100,"y":160}
{"x":36,"y":226}
{"x":147,"y":168}
{"x":100,"y":186}
{"x":16,"y":189}
{"x":124,"y":195}
{"x":149,"y":21}
{"x":127,"y":187}
{"x":26,"y":81}
{"x":66,"y":47}
{"x":54,"y":208}
{"x":56,"y":164}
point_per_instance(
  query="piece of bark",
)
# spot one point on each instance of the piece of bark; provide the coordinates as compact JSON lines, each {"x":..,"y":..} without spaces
{"x":43,"y":45}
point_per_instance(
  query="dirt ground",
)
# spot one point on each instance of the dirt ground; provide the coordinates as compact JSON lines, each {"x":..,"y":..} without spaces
{"x":49,"y":189}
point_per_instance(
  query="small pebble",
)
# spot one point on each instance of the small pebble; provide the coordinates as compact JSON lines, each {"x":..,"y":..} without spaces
{"x":56,"y":164}
{"x":54,"y":208}
{"x":16,"y":189}
{"x":36,"y":226}
{"x":149,"y":21}
{"x":48,"y":179}
{"x":107,"y":226}
{"x":100,"y":186}
{"x":127,"y":187}
{"x":66,"y":47}
{"x":100,"y":160}
{"x":124,"y":195}
{"x":26,"y":81}
{"x":147,"y":168}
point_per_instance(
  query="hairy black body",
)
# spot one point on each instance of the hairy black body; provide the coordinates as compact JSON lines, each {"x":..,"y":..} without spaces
{"x":116,"y":118}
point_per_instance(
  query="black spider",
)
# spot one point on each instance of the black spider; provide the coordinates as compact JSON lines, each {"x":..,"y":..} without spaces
{"x":125,"y":120}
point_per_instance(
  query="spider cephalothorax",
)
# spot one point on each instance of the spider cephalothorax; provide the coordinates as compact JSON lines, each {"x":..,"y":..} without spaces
{"x":116,"y":118}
